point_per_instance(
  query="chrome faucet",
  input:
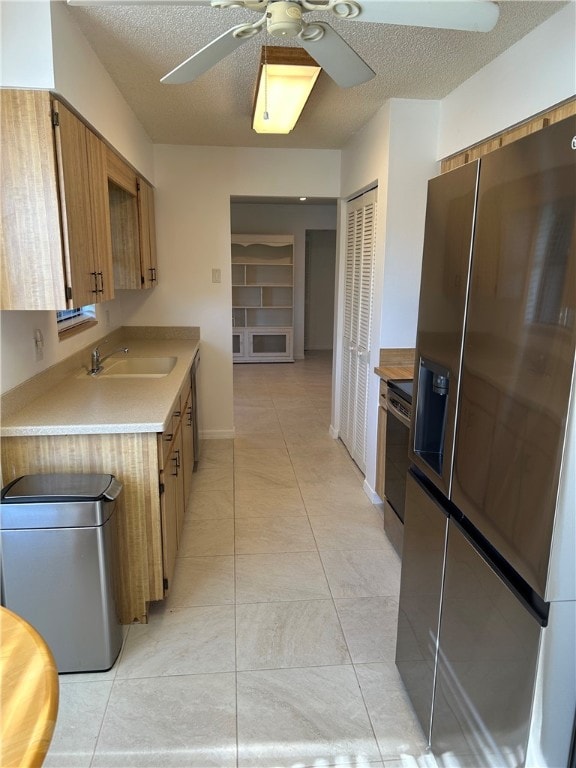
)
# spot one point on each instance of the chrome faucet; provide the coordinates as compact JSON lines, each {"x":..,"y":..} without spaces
{"x":97,"y":360}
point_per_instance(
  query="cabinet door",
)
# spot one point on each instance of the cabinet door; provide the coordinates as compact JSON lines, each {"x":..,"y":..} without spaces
{"x":100,"y":211}
{"x":75,"y":207}
{"x":147,"y":225}
{"x":168,"y":511}
{"x":187,"y":447}
{"x":84,"y":209}
{"x":274,"y":344}
{"x":238,"y":344}
{"x":125,"y":237}
{"x":32,"y":271}
{"x":178,"y":474}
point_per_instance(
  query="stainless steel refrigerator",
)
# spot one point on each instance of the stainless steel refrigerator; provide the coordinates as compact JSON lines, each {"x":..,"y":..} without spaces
{"x":487,"y":623}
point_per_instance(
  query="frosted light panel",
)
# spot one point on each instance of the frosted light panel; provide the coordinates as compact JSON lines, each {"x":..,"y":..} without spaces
{"x":287,"y":88}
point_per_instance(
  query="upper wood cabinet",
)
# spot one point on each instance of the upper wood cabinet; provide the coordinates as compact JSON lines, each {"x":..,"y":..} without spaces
{"x":120,"y":173}
{"x":32,"y":265}
{"x":147,"y":222}
{"x":131,"y":201}
{"x":84,"y":207}
{"x":56,"y":247}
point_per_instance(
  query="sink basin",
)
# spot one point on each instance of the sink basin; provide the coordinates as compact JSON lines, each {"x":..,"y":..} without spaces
{"x":138,"y":367}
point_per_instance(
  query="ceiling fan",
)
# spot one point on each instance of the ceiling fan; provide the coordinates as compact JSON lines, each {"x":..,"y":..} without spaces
{"x":285,"y":19}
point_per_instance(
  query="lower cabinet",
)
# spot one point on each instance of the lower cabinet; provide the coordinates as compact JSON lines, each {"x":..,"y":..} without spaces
{"x":188,"y":448}
{"x":155,"y":472}
{"x":133,"y":459}
{"x":273,"y":345}
{"x":176,"y":462}
{"x":171,"y":506}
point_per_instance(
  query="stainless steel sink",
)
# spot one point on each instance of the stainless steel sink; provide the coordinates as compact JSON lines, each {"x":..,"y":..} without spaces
{"x":138,"y":367}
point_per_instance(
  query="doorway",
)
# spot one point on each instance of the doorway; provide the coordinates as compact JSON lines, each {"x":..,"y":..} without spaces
{"x":287,"y":216}
{"x":320,"y":277}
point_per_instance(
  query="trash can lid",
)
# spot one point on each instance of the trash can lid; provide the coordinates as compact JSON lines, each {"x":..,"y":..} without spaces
{"x":60,"y":486}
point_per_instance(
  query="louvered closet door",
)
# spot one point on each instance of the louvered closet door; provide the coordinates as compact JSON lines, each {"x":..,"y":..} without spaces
{"x":359,"y":280}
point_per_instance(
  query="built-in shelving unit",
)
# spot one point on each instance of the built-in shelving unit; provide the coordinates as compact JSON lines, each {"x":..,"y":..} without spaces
{"x":262,"y":298}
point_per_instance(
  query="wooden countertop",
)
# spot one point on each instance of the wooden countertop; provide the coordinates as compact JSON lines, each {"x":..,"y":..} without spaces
{"x":28,"y":695}
{"x":387,"y":372}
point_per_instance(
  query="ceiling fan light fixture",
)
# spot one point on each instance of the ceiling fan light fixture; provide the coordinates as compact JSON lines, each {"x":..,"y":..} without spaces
{"x":285,"y":79}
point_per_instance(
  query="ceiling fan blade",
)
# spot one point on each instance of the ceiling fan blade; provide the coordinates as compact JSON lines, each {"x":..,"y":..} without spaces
{"x":470,"y":15}
{"x":207,"y":57}
{"x":104,"y":3}
{"x":336,"y":57}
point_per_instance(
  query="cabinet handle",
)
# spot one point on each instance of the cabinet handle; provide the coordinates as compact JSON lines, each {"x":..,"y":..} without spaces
{"x":176,"y":466}
{"x":177,"y":452}
{"x":189,"y":414}
{"x":177,"y":414}
{"x":168,"y":436}
{"x":152,"y":271}
{"x":95,"y":276}
{"x":101,"y":276}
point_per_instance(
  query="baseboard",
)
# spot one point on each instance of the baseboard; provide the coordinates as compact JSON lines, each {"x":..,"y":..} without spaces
{"x":371,"y":493}
{"x":218,"y":434}
{"x":333,"y":433}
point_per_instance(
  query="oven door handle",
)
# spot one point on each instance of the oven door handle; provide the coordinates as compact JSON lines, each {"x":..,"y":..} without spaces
{"x":393,"y":407}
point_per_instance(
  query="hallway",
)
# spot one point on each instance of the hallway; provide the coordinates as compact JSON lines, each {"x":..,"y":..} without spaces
{"x":275,"y":647}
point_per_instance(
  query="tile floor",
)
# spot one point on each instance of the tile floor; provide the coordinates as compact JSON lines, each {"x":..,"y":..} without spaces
{"x":275,"y":647}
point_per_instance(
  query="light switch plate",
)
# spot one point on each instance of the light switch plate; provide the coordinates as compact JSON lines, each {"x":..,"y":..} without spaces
{"x":216,"y":275}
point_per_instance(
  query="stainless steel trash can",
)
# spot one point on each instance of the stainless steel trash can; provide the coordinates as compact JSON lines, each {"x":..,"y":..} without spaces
{"x":58,"y":559}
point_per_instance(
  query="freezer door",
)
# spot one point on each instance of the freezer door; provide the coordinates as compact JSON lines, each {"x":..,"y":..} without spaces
{"x":443,"y":293}
{"x":519,"y":348}
{"x":487,"y":661}
{"x":425,"y":531}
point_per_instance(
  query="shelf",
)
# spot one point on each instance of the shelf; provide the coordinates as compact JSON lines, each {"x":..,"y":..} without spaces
{"x":277,"y":296}
{"x":238,"y":274}
{"x":262,"y":298}
{"x":261,"y":254}
{"x":246,"y":296}
{"x":268,"y":274}
{"x":277,"y":317}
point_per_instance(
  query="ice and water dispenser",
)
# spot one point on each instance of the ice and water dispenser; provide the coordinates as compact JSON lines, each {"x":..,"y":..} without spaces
{"x":432,"y":405}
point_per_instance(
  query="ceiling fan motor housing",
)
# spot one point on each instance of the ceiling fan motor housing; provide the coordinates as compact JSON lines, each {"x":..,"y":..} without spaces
{"x":284,"y":18}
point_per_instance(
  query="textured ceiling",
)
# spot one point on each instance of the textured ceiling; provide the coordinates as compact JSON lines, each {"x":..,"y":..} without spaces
{"x":138,"y":43}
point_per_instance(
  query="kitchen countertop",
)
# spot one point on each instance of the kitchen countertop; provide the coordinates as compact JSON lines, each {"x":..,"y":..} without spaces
{"x":96,"y":405}
{"x":387,"y":372}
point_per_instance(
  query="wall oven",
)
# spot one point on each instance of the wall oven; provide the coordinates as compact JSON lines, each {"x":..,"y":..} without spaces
{"x":399,"y":402}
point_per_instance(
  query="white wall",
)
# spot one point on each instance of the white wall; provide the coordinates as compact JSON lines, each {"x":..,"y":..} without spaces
{"x":291,"y":220}
{"x":194,"y":187}
{"x":81,"y":79}
{"x":398,"y":150}
{"x":531,"y":76}
{"x":19,"y":358}
{"x":75,"y":72}
{"x":26,"y":45}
